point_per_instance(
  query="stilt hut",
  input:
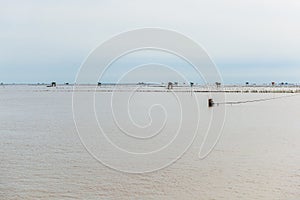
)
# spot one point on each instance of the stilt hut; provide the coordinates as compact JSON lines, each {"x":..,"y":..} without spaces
{"x":170,"y":85}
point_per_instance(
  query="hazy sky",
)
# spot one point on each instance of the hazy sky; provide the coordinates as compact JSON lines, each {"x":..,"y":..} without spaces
{"x":249,"y":40}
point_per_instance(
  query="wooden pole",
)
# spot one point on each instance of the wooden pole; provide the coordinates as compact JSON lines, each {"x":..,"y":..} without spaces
{"x":210,"y":103}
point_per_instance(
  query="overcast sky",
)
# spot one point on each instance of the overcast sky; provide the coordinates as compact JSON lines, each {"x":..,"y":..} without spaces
{"x":249,"y":40}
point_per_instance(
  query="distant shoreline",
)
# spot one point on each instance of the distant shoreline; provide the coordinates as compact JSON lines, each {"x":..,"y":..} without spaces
{"x":151,"y":88}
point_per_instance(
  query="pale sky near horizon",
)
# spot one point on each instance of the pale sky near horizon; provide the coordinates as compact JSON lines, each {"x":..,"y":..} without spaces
{"x":251,"y":40}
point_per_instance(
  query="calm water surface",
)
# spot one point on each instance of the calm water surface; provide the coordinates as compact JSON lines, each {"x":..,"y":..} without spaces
{"x":41,"y":156}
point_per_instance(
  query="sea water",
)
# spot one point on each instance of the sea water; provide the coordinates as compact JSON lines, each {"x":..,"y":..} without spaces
{"x":42,"y":157}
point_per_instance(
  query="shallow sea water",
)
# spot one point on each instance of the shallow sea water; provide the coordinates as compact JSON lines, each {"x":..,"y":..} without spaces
{"x":42,"y":157}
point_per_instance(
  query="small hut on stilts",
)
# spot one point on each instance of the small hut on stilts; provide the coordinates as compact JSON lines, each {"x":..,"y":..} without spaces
{"x":170,"y":85}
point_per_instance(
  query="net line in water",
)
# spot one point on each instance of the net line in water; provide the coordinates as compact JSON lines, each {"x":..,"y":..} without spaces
{"x":252,"y":101}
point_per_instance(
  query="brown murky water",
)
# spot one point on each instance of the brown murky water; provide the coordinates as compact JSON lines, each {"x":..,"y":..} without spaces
{"x":258,"y":156}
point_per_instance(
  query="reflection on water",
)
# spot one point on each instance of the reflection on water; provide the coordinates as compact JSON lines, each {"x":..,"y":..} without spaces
{"x":258,"y":156}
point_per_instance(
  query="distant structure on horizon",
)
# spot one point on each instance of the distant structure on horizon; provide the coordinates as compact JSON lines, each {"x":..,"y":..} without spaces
{"x":53,"y":84}
{"x":170,"y":85}
{"x":273,"y":83}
